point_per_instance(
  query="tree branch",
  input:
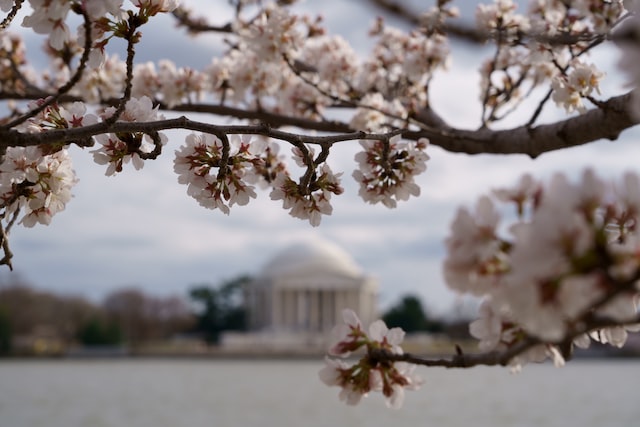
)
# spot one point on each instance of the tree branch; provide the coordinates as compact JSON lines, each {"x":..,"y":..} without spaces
{"x":492,"y":358}
{"x":14,"y":138}
{"x":463,"y":32}
{"x":605,"y":122}
{"x":195,"y":26}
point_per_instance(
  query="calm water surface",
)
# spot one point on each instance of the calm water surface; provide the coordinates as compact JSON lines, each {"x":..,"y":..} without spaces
{"x":194,"y":393}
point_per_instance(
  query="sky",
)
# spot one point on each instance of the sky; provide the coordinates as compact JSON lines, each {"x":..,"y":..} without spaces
{"x":141,"y":229}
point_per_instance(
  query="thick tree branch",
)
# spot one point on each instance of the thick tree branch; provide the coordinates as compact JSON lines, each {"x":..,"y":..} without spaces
{"x":605,"y":122}
{"x":14,"y":138}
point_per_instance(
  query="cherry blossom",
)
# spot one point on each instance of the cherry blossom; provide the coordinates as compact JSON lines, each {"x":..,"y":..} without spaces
{"x":56,"y":116}
{"x":100,"y":8}
{"x":272,"y":34}
{"x":49,"y":17}
{"x":311,"y":202}
{"x":176,"y":85}
{"x":36,"y":183}
{"x":388,"y":169}
{"x":378,"y":331}
{"x":153,"y":7}
{"x":118,"y":150}
{"x":500,"y":15}
{"x":553,"y":269}
{"x":581,"y":82}
{"x":368,"y":374}
{"x":475,"y":256}
{"x":346,"y":337}
{"x":215,"y":183}
{"x":103,"y":82}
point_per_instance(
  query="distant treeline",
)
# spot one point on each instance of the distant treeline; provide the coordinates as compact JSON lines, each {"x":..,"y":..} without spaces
{"x":126,"y":316}
{"x":131,"y":317}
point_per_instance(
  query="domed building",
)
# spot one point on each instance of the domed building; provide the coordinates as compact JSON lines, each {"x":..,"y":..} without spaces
{"x":299,"y":296}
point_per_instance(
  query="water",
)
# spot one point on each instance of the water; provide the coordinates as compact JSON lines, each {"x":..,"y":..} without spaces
{"x":195,"y":393}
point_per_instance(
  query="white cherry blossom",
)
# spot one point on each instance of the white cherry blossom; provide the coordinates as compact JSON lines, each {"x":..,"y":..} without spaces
{"x":474,"y":250}
{"x":367,"y":375}
{"x":40,"y":184}
{"x":387,"y":174}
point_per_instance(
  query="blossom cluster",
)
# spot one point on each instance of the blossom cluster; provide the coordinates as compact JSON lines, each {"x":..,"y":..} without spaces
{"x":369,"y":374}
{"x":287,"y":64}
{"x":568,"y":270}
{"x":523,"y":63}
{"x":223,"y":172}
{"x":35,"y":183}
{"x":310,"y":202}
{"x":387,"y":169}
{"x":38,"y":180}
{"x":56,"y":116}
{"x":220,"y":175}
{"x":272,"y":34}
{"x":402,"y":64}
{"x":215,"y":182}
{"x":386,"y":174}
{"x":277,"y":61}
{"x":122,"y":148}
{"x":579,"y":83}
{"x":108,"y":18}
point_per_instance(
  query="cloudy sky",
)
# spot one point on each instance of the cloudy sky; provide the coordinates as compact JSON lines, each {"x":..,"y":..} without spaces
{"x":141,"y":229}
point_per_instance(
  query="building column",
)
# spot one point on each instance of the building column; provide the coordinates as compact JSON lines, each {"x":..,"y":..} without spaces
{"x":275,"y":308}
{"x":314,"y":320}
{"x":338,"y":297}
{"x":291,"y":310}
{"x":328,"y":308}
{"x":286,"y":307}
{"x":301,"y":312}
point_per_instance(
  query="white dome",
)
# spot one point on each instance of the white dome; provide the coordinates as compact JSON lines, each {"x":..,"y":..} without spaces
{"x":310,"y":258}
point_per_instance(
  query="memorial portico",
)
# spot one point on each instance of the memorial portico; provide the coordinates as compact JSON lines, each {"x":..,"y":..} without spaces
{"x":304,"y":289}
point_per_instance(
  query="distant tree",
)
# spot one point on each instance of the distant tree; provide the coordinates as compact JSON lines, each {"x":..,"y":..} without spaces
{"x":126,"y":307}
{"x":27,"y":308}
{"x":99,"y":332}
{"x":126,"y":314}
{"x":168,"y":315}
{"x":143,"y":317}
{"x":409,"y":315}
{"x":220,"y":308}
